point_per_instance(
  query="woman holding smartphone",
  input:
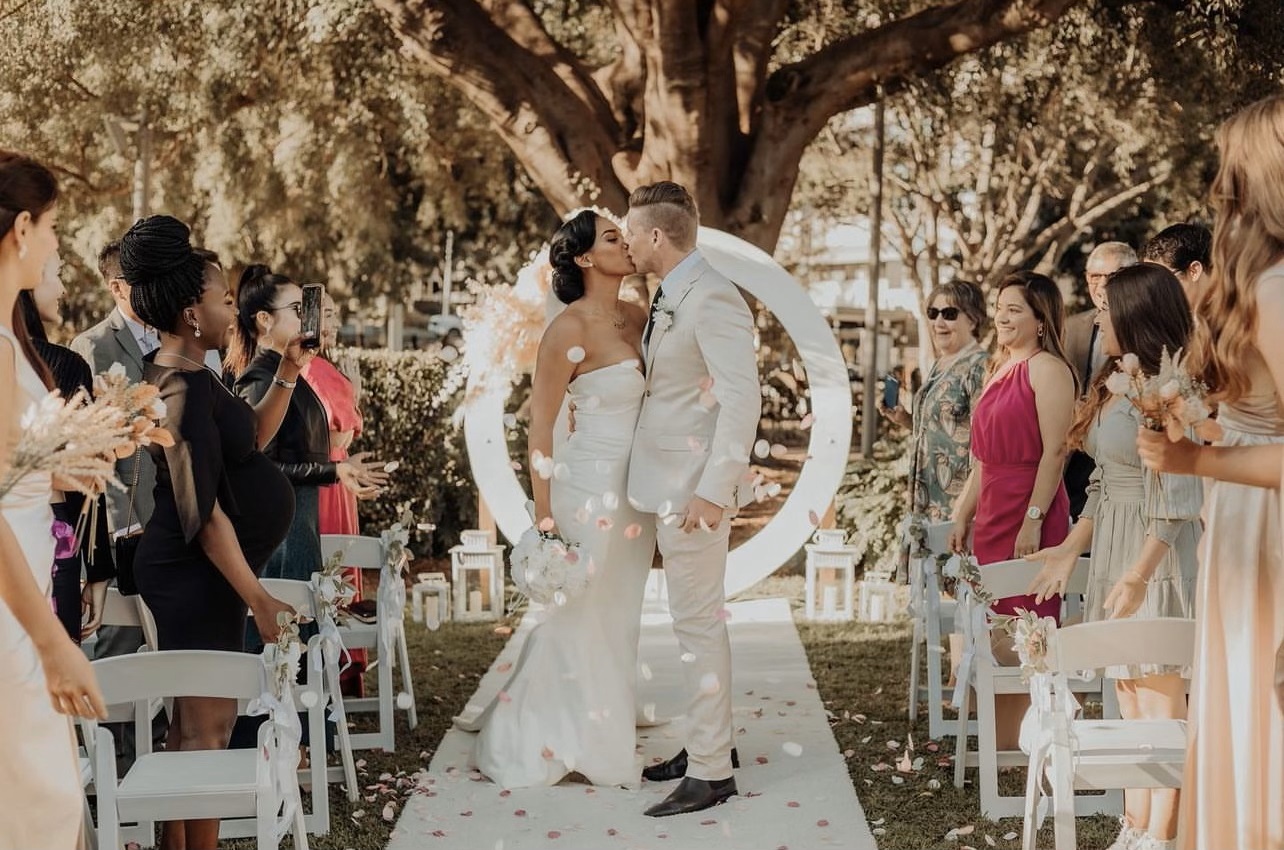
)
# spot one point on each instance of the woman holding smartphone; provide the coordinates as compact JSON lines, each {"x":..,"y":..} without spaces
{"x":269,"y":318}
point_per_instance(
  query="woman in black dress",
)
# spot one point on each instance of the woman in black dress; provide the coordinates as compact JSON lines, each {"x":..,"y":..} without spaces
{"x":269,"y":307}
{"x":222,"y":507}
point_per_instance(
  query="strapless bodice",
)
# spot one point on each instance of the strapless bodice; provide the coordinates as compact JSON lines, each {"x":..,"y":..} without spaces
{"x":607,"y":401}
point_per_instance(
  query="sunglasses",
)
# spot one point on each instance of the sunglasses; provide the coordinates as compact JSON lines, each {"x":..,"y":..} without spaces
{"x":949,"y":314}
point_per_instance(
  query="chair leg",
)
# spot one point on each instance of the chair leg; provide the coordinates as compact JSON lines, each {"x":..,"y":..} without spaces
{"x":913,"y":682}
{"x":987,"y":746}
{"x":320,"y":792}
{"x":407,"y":680}
{"x":960,"y":737}
{"x":935,"y":717}
{"x":387,"y":702}
{"x":341,"y":728}
{"x":1063,"y":799}
{"x":1031,"y":817}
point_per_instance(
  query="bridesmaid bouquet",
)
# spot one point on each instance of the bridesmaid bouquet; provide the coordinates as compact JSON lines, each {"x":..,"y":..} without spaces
{"x":548,"y":569}
{"x":1171,"y":402}
{"x":76,"y":439}
{"x":139,"y":404}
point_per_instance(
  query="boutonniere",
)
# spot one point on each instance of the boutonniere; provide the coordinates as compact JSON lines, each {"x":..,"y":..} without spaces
{"x":663,"y":318}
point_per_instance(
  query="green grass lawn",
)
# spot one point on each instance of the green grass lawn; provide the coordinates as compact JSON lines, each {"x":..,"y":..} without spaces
{"x":862,"y":673}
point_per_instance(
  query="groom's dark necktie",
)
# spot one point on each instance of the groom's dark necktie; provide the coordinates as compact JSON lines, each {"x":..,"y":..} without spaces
{"x":650,"y":321}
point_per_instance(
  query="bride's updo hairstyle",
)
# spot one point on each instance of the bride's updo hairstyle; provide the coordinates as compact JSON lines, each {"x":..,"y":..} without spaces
{"x":573,"y":239}
{"x":163,"y":270}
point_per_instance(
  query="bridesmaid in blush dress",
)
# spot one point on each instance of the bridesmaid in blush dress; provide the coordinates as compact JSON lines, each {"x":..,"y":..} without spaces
{"x":1233,"y":792}
{"x":1015,"y":502}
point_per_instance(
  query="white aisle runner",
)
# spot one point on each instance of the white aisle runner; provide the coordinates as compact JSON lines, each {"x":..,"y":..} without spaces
{"x":794,"y":787}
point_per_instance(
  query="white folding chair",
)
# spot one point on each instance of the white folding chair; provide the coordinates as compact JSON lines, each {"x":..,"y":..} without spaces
{"x":1073,"y":753}
{"x":933,"y":618}
{"x":386,"y":638}
{"x":979,"y":673}
{"x":299,"y":595}
{"x":190,"y":785}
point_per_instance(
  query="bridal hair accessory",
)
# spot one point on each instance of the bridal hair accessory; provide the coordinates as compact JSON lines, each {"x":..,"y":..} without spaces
{"x":546,"y":568}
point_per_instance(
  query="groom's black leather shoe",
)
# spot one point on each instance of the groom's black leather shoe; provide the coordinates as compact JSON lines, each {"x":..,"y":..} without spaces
{"x":694,"y":795}
{"x":676,"y":767}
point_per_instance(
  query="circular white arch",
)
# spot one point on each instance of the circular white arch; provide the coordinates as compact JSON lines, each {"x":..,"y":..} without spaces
{"x":758,"y":557}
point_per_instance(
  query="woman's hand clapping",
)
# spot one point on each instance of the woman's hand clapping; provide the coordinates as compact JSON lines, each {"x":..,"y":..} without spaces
{"x":363,"y":478}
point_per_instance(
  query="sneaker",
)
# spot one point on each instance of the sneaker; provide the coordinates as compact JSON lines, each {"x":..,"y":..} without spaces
{"x":1130,"y":837}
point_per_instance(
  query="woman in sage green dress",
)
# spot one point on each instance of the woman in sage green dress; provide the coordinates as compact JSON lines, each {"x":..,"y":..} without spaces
{"x":1142,"y":528}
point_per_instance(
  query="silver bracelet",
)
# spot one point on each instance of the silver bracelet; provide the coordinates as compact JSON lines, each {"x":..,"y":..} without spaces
{"x":281,"y":382}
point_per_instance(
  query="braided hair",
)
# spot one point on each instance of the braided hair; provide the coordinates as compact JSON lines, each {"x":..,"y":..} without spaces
{"x":164,"y":272}
{"x":573,"y":239}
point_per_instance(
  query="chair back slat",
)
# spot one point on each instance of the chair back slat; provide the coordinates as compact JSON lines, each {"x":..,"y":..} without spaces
{"x":1168,"y":641}
{"x":938,"y":537}
{"x":179,"y":673}
{"x":1012,"y":578}
{"x":365,"y":553}
{"x":297,"y":594}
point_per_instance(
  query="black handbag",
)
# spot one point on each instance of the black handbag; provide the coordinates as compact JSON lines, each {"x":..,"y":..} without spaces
{"x":126,"y":546}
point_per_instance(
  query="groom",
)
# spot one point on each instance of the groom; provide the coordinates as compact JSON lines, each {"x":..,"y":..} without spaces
{"x":690,"y":458}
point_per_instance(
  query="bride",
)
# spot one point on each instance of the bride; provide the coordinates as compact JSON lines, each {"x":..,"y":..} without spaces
{"x":569,"y":705}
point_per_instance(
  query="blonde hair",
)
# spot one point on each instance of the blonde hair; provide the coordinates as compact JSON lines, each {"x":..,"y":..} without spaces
{"x":1248,"y":238}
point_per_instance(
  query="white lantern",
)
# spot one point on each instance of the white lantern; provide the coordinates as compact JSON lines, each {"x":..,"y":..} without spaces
{"x":477,"y":574}
{"x":430,"y":599}
{"x":876,"y":598}
{"x":831,"y":570}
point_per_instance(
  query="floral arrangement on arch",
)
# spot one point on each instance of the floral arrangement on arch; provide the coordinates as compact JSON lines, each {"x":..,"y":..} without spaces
{"x":1170,"y":401}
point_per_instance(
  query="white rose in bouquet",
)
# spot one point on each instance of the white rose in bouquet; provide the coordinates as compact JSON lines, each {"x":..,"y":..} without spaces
{"x":548,"y":569}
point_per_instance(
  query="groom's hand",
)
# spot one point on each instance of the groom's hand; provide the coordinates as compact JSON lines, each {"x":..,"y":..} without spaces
{"x":701,"y":514}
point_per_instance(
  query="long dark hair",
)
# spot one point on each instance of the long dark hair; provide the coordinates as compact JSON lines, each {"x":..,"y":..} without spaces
{"x":1149,"y":313}
{"x":25,"y":186}
{"x":1046,"y":303}
{"x":573,"y":239}
{"x":255,"y":292}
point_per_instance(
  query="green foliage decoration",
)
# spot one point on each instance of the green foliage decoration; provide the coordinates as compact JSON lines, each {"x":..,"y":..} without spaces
{"x":871,"y":504}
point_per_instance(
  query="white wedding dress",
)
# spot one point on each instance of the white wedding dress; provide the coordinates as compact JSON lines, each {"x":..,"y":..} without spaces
{"x":570,"y":703}
{"x":40,"y":797}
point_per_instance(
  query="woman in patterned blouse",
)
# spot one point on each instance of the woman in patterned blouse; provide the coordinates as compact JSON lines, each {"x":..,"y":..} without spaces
{"x":941,"y":422}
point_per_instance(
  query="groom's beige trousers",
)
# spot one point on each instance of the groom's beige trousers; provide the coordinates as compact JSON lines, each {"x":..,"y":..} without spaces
{"x":695,"y":566}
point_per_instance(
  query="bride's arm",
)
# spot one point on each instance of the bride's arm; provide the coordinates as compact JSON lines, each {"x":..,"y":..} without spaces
{"x":553,"y":373}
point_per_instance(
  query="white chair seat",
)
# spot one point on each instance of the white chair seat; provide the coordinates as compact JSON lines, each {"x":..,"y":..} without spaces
{"x":218,"y":784}
{"x":1154,"y":751}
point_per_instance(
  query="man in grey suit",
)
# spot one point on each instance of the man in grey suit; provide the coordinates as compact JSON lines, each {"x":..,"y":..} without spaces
{"x":1083,"y":348}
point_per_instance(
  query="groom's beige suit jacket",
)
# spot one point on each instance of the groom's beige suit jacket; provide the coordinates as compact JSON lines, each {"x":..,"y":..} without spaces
{"x":702,"y":402}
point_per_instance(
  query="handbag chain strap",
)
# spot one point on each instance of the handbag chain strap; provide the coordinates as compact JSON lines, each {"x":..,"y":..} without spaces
{"x":133,"y":487}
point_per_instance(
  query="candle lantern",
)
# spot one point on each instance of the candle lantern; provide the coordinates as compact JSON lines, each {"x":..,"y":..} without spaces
{"x":430,"y":599}
{"x":831,"y":570}
{"x":876,"y":597}
{"x":477,"y":575}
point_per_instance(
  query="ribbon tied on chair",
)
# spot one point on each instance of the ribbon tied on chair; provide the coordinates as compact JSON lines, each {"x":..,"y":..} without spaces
{"x":281,"y":668}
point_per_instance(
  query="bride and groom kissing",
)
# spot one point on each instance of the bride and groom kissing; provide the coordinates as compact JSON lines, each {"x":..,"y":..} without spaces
{"x":666,"y":408}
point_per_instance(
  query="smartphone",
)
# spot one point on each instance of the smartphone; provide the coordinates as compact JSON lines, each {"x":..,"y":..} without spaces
{"x":891,"y":392}
{"x":311,"y":316}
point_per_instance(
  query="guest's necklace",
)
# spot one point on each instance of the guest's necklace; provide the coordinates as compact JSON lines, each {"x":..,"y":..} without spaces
{"x":184,"y":359}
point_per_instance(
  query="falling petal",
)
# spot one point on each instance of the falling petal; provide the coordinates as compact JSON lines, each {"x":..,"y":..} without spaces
{"x":552,"y":833}
{"x":448,"y":353}
{"x":610,"y":501}
{"x":792,"y":748}
{"x":806,"y":422}
{"x":822,"y":823}
{"x":778,"y":451}
{"x":392,"y":466}
{"x":793,"y":804}
{"x":605,"y":523}
{"x":632,"y":532}
{"x":575,"y":354}
{"x":510,"y":420}
{"x":688,"y":657}
{"x":761,"y":449}
{"x":813,"y":518}
{"x":521,"y":813}
{"x":645,"y":669}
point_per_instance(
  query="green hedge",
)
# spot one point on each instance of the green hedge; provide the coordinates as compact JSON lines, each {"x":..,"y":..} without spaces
{"x":408,"y":420}
{"x":872,"y":502}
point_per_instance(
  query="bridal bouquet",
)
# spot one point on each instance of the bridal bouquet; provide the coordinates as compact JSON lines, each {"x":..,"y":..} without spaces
{"x":548,"y":569}
{"x":1171,"y":401}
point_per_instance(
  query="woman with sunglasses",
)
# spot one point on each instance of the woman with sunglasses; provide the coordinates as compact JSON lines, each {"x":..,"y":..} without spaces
{"x":268,"y":321}
{"x":941,"y":422}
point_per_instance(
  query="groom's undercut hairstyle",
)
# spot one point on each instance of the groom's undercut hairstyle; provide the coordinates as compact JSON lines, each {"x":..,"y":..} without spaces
{"x":670,"y":208}
{"x":573,"y":239}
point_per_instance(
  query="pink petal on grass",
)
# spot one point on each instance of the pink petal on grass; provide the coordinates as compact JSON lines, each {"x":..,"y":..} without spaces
{"x":552,"y":833}
{"x":521,"y":813}
{"x":793,"y":804}
{"x":822,"y":823}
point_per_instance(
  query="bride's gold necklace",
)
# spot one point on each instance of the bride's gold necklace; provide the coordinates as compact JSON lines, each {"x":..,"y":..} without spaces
{"x":617,"y":321}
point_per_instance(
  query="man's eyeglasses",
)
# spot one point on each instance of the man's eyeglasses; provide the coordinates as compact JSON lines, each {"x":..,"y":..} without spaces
{"x":296,"y":306}
{"x":949,"y":314}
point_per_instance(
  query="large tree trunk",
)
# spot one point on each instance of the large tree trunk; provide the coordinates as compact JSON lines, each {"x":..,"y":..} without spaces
{"x":689,"y":98}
